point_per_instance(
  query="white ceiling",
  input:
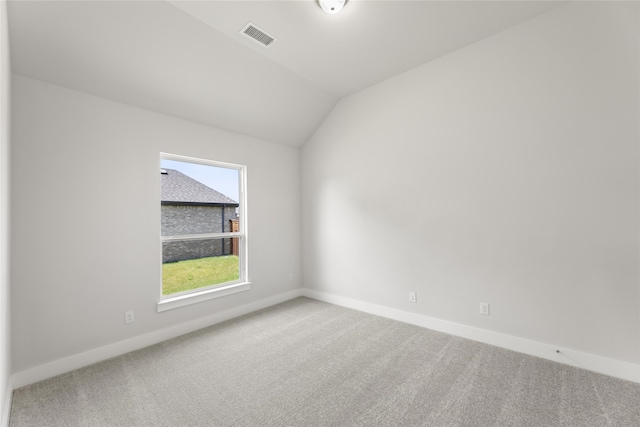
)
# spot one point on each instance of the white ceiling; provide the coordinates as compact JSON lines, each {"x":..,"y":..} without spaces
{"x":188,"y":58}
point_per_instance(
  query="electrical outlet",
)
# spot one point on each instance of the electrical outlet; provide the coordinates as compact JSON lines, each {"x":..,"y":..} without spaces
{"x":484,"y":308}
{"x":129,"y":317}
{"x":291,"y":277}
{"x":413,"y":297}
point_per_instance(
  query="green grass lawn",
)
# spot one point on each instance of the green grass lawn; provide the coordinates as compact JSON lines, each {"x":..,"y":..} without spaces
{"x":196,"y":273}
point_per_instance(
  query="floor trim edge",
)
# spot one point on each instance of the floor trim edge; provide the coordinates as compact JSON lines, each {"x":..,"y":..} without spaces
{"x":76,"y":361}
{"x":6,"y":408}
{"x":611,"y":367}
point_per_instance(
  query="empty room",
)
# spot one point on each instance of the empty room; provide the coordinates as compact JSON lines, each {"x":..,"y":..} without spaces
{"x":319,"y":213}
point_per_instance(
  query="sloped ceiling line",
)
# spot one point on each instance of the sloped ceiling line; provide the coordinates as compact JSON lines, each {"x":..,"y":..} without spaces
{"x":188,"y":58}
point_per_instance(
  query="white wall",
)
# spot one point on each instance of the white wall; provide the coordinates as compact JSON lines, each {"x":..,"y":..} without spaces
{"x":5,"y":344}
{"x":86,"y":219}
{"x":506,"y":172}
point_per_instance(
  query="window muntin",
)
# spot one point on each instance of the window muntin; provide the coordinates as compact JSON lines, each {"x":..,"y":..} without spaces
{"x":203,"y":225}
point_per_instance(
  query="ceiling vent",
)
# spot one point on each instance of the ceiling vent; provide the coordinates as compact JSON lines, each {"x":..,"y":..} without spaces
{"x":258,"y":35}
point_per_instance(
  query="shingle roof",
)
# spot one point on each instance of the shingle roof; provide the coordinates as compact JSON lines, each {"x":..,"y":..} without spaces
{"x":177,"y":187}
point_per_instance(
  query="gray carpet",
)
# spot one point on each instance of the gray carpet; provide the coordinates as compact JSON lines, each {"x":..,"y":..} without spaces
{"x":308,"y":363}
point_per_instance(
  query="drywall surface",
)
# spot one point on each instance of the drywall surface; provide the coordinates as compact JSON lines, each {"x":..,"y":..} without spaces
{"x":5,"y":347}
{"x":86,"y":228}
{"x":505,"y":173}
{"x":161,"y":59}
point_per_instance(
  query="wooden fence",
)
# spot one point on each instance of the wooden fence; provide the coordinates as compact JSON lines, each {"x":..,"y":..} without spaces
{"x":235,"y":243}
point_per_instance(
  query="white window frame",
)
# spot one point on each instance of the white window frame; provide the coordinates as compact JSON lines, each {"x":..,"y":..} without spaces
{"x":181,"y":299}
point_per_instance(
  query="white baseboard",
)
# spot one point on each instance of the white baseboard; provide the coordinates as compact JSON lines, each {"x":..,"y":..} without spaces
{"x":6,"y":408}
{"x":611,"y":367}
{"x":61,"y":366}
{"x":614,"y":368}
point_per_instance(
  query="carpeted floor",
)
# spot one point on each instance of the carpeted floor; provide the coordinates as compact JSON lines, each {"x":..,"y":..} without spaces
{"x":308,"y":363}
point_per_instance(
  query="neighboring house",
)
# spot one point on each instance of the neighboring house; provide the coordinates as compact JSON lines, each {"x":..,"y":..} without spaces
{"x":190,"y":207}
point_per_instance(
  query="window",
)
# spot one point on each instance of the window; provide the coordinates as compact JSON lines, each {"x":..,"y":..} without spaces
{"x":203,"y":230}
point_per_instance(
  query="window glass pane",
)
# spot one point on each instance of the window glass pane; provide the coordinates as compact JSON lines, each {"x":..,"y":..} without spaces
{"x":198,"y":199}
{"x":193,"y":264}
{"x":180,"y":220}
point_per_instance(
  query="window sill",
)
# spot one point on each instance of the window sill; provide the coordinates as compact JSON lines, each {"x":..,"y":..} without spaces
{"x":196,"y":297}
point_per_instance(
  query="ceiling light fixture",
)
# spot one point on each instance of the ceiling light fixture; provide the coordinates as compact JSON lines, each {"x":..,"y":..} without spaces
{"x":332,"y":6}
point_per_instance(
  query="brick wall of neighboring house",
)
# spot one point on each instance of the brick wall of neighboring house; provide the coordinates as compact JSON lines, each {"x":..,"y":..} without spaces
{"x":184,"y":220}
{"x":191,"y":249}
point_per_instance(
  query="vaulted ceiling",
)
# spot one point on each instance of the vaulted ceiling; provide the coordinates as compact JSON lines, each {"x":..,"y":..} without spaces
{"x":189,"y":59}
